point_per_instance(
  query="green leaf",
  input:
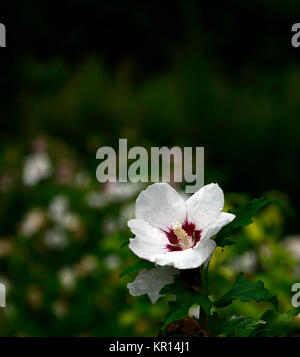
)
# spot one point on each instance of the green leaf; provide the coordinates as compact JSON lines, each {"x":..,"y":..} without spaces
{"x":245,"y":290}
{"x":185,"y":298}
{"x":217,"y":324}
{"x":139,"y":265}
{"x":125,"y":244}
{"x":276,"y":323}
{"x":242,"y":326}
{"x":235,"y":326}
{"x":243,"y":217}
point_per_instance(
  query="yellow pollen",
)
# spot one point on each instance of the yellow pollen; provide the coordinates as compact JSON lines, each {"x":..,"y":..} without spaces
{"x":182,"y":236}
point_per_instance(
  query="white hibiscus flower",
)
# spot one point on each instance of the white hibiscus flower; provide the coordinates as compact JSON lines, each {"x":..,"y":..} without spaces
{"x":170,"y":231}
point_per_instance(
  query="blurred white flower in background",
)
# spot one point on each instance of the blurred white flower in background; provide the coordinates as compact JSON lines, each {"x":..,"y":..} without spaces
{"x":65,"y":170}
{"x":110,"y":225}
{"x":67,"y":277}
{"x":71,"y":221}
{"x":36,"y":167}
{"x":112,"y":262}
{"x":292,"y":245}
{"x":246,"y":262}
{"x":87,"y":265}
{"x":55,"y":238}
{"x":95,"y":199}
{"x":121,"y":191}
{"x":58,"y":207}
{"x":60,"y":308}
{"x":59,"y":212}
{"x":82,"y":179}
{"x":33,"y":222}
{"x":265,"y":250}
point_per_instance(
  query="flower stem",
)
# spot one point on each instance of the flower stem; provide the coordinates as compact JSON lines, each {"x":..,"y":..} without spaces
{"x":192,"y":279}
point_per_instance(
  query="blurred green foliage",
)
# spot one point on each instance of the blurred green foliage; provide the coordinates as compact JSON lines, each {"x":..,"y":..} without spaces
{"x":61,"y":234}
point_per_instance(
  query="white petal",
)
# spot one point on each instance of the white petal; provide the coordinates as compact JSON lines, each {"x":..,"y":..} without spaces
{"x":189,"y":258}
{"x":149,"y":241}
{"x":221,"y":220}
{"x":160,"y":205}
{"x":152,"y":281}
{"x":194,"y":311}
{"x":205,"y":205}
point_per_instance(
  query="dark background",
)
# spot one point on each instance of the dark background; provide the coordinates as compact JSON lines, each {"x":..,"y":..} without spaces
{"x":233,"y":63}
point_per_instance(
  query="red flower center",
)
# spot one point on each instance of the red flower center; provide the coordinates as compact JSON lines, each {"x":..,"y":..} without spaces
{"x":182,"y":237}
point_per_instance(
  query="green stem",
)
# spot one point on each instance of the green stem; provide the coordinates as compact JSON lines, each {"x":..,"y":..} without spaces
{"x":192,"y":279}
